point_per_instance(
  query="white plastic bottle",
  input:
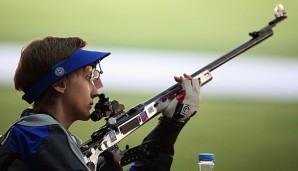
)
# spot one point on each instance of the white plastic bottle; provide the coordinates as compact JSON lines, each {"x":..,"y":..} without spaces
{"x":206,"y":162}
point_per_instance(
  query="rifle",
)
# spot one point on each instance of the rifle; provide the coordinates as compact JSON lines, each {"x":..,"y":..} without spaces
{"x":120,"y":124}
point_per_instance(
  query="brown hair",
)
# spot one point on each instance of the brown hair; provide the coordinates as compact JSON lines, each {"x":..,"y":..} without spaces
{"x":36,"y":60}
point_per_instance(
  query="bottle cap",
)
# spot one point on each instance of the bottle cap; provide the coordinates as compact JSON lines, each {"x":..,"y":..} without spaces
{"x":206,"y":157}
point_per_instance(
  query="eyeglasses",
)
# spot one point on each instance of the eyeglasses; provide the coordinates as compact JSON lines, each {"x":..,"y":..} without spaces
{"x":95,"y":75}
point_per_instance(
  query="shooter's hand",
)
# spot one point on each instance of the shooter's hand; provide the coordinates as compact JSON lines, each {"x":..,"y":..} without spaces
{"x":110,"y":160}
{"x":185,"y":104}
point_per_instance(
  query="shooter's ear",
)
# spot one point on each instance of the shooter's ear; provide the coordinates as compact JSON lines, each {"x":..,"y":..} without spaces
{"x":59,"y":86}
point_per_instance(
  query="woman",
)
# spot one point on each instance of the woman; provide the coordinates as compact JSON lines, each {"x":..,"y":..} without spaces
{"x":60,"y":80}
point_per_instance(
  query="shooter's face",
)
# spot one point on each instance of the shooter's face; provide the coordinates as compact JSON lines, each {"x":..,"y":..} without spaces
{"x":81,"y":89}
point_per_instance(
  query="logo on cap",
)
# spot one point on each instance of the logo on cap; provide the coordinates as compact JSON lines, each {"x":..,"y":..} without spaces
{"x":59,"y":71}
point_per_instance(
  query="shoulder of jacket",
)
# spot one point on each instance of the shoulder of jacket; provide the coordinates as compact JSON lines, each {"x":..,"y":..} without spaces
{"x":38,"y":120}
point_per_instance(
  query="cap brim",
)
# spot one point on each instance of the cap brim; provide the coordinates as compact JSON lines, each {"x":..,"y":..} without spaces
{"x":77,"y":60}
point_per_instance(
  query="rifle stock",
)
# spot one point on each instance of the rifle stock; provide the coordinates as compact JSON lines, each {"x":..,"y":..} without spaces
{"x":121,"y":125}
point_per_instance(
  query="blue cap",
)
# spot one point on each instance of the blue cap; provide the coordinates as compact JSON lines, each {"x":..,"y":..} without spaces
{"x":77,"y":60}
{"x":206,"y":157}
